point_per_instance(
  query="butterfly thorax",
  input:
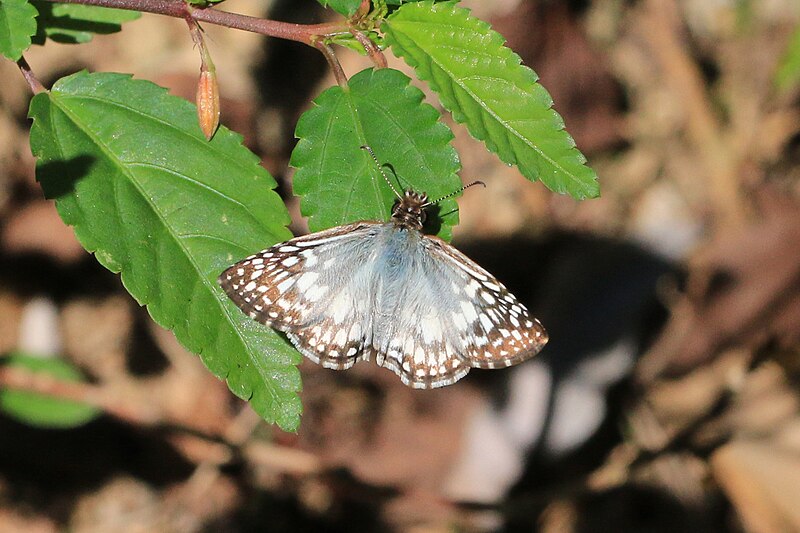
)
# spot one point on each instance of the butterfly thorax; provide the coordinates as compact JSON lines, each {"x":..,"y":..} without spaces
{"x":409,"y":211}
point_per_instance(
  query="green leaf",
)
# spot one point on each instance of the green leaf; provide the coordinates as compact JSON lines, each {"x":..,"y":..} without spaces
{"x":77,"y":23}
{"x":41,"y":410}
{"x":788,"y":73}
{"x":343,"y":7}
{"x":130,"y":169}
{"x":389,"y":6}
{"x":339,"y":182}
{"x":17,"y":24}
{"x":483,"y":84}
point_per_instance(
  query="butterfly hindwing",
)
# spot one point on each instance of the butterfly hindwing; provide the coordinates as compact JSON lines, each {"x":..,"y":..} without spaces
{"x":421,"y":355}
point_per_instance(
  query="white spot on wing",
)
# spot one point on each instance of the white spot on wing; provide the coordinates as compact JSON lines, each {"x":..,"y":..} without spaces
{"x":431,"y":331}
{"x":307,"y":280}
{"x":316,"y":292}
{"x":472,"y":288}
{"x":341,"y":337}
{"x":340,"y":308}
{"x":284,"y":285}
{"x":469,"y":311}
{"x":355,"y":332}
{"x":309,"y":257}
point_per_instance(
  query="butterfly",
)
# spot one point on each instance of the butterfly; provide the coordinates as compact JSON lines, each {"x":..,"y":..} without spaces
{"x":387,"y":291}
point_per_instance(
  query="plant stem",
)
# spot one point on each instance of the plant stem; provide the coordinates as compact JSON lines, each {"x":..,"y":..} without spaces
{"x":304,"y":33}
{"x":24,"y":380}
{"x":279,"y":458}
{"x":35,"y":85}
{"x":363,"y":8}
{"x":374,"y":52}
{"x":333,"y":62}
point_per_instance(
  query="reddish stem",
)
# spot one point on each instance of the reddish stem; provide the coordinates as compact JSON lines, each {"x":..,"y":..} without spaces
{"x":363,"y":9}
{"x":35,"y":85}
{"x":374,"y":52}
{"x":333,"y":61}
{"x":304,"y":33}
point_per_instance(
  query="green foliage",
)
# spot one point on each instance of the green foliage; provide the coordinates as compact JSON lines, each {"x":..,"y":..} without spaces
{"x":344,"y":7}
{"x":484,"y":85}
{"x":383,"y":7}
{"x":339,"y":182}
{"x":38,"y":409}
{"x":130,"y":169}
{"x":788,"y":75}
{"x":17,"y":24}
{"x":77,"y":23}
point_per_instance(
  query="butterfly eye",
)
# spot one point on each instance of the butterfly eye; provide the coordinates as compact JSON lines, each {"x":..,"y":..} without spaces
{"x":423,"y":216}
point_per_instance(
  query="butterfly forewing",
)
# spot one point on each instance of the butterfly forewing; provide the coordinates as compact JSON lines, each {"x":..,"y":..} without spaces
{"x":314,"y":288}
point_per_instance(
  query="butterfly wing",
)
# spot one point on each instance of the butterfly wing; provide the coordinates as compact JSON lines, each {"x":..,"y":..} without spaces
{"x":453,"y":315}
{"x":501,"y":330}
{"x":315,"y":288}
{"x":424,"y":309}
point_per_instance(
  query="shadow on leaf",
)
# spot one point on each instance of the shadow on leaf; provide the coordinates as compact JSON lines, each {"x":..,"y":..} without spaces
{"x":58,"y":178}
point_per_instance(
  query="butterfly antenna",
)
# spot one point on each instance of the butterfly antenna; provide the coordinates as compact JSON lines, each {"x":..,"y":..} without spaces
{"x":380,"y":169}
{"x":446,"y":196}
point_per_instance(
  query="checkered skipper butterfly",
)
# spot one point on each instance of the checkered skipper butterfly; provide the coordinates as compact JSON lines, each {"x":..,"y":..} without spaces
{"x":386,"y":290}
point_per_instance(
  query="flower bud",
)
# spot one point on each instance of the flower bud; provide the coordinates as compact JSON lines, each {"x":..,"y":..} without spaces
{"x":208,"y":102}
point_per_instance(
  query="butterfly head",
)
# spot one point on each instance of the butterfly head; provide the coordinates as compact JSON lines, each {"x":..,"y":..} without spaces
{"x":409,"y":210}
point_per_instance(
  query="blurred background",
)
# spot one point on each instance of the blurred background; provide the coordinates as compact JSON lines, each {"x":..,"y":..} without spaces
{"x":667,"y":399}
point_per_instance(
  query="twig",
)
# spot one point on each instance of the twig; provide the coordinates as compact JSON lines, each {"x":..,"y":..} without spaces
{"x":282,"y":459}
{"x":93,"y":395}
{"x":304,"y":33}
{"x":702,"y":127}
{"x":310,"y":34}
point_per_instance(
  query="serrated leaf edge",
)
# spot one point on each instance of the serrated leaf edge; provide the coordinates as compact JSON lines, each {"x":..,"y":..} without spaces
{"x":203,"y":280}
{"x":459,"y":115}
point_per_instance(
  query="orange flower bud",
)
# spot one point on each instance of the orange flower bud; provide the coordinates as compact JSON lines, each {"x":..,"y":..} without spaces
{"x":208,"y":102}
